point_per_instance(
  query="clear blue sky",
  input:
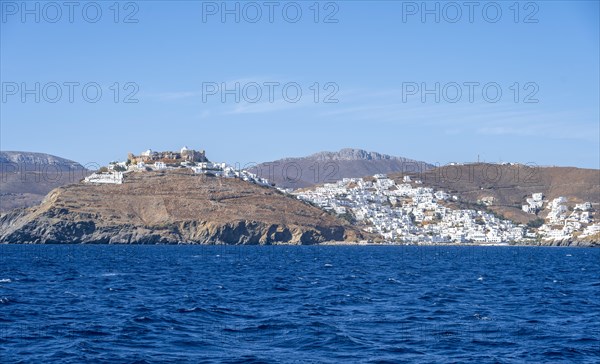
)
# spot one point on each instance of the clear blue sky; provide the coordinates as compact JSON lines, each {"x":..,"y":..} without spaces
{"x":374,"y":54}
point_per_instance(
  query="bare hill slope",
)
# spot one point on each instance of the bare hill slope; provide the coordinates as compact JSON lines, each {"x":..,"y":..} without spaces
{"x":173,"y":207}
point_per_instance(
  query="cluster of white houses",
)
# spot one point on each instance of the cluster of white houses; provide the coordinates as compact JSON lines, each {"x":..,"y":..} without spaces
{"x":162,"y":161}
{"x":564,"y":224}
{"x":534,"y":203}
{"x":409,"y":212}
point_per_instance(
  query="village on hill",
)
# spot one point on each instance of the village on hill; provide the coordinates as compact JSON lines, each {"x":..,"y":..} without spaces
{"x":187,"y":158}
{"x":150,"y":160}
{"x":412,"y":213}
{"x":403,"y":213}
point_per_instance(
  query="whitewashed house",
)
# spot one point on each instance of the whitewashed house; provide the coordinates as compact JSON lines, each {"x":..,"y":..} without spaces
{"x":586,"y":206}
{"x":108,"y":178}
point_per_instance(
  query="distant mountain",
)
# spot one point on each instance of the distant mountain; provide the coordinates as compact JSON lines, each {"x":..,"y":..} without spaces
{"x":25,"y":177}
{"x":325,"y":167}
{"x":32,"y":159}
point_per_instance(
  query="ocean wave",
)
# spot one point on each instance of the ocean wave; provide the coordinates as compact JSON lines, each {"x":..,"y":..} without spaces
{"x":371,"y":306}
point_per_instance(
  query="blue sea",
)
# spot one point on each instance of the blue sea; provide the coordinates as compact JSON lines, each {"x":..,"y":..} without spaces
{"x":298,"y":304}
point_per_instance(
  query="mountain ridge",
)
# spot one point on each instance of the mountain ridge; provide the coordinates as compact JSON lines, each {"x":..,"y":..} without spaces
{"x":33,"y":158}
{"x":352,"y":154}
{"x":26,"y":177}
{"x":327,"y":166}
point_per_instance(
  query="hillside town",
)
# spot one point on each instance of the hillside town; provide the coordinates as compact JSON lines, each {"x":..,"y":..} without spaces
{"x":186,"y":158}
{"x":412,"y":213}
{"x":408,"y":212}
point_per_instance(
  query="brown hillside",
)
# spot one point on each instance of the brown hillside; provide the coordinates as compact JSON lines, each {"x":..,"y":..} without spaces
{"x":171,"y":207}
{"x":510,"y":185}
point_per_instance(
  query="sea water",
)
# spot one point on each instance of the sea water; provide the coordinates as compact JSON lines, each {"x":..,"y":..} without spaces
{"x":298,"y":304}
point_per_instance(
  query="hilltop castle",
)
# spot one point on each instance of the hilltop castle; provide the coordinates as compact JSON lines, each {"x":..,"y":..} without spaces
{"x":184,"y":155}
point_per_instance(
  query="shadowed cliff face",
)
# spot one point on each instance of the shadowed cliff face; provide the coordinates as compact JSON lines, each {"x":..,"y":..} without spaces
{"x":173,"y":207}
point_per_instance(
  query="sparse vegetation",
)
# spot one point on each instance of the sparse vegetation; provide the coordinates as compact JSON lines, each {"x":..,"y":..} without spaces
{"x":535,"y":223}
{"x":348,"y":217}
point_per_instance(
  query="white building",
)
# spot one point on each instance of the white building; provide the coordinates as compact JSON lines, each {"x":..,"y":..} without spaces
{"x":586,"y":206}
{"x":110,"y":178}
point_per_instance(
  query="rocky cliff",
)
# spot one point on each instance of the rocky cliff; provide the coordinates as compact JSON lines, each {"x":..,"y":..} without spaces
{"x":173,"y":207}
